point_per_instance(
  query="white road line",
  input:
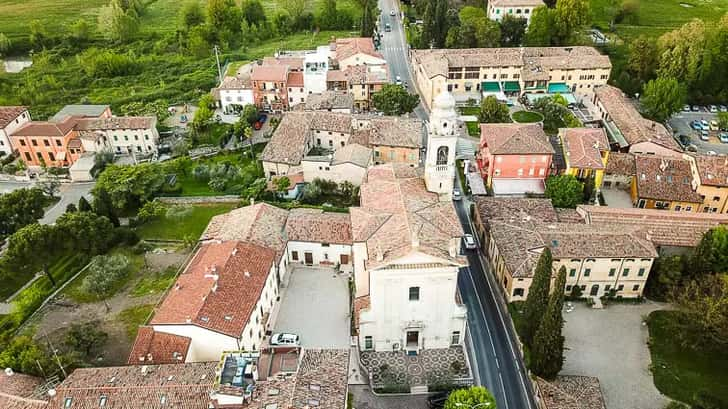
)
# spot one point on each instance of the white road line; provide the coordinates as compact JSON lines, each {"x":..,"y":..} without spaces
{"x":482,"y":312}
{"x":503,"y":388}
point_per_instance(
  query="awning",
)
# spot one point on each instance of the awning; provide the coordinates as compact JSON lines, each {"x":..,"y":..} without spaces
{"x":532,"y":98}
{"x":511,"y":86}
{"x":517,"y":186}
{"x":558,"y":88}
{"x":490,"y":86}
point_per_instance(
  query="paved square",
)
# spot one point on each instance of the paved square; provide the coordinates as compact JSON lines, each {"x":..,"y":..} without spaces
{"x":315,"y":305}
{"x":615,"y":197}
{"x":611,"y":344}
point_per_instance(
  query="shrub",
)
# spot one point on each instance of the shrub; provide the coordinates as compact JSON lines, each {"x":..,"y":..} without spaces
{"x":151,"y":210}
{"x":179,"y":212}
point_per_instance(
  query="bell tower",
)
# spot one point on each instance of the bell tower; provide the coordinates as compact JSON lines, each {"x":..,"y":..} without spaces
{"x":441,"y":144}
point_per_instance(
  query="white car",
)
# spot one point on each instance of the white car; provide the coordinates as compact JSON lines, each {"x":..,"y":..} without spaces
{"x":392,"y":13}
{"x":722,"y":108}
{"x":398,"y":80}
{"x":469,"y":242}
{"x":456,"y":194}
{"x":704,"y":135}
{"x":712,"y":153}
{"x":686,"y":108}
{"x":713,"y":109}
{"x":285,"y":339}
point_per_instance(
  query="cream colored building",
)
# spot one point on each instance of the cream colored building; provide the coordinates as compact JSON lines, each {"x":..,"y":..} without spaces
{"x":497,"y":9}
{"x":710,"y":181}
{"x":473,"y":73}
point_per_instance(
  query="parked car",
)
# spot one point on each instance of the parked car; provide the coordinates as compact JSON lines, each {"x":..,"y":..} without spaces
{"x":285,"y":339}
{"x":398,"y":80}
{"x":437,"y":400}
{"x":722,"y":108}
{"x":456,"y":194}
{"x":469,"y":241}
{"x":183,"y":119}
{"x":696,"y":125}
{"x":714,"y":125}
{"x":723,"y":137}
{"x":262,"y":118}
{"x":704,"y":136}
{"x":713,"y":109}
{"x":695,"y":108}
{"x":387,"y":27}
{"x":712,"y":153}
{"x":686,"y":108}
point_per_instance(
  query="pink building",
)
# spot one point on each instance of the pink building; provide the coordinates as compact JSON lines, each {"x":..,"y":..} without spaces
{"x":514,"y":159}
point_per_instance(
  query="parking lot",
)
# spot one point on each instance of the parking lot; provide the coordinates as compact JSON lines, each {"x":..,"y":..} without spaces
{"x":680,"y":124}
{"x":315,"y":305}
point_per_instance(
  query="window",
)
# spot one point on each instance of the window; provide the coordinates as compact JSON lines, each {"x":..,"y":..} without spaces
{"x":28,"y":157}
{"x":716,"y":198}
{"x":612,"y":272}
{"x":607,"y":287}
{"x":518,"y":292}
{"x":621,"y":287}
{"x":22,"y":142}
{"x":455,"y":339}
{"x":568,"y":288}
{"x":587,"y":271}
{"x":294,"y":255}
{"x":136,"y":137}
{"x":34,"y":142}
{"x":414,"y":293}
{"x":641,"y":272}
{"x":572,"y":272}
{"x":368,"y":342}
{"x":126,"y":137}
{"x":102,"y":401}
{"x":116,"y":138}
{"x":625,"y":272}
{"x":46,"y":142}
{"x":52,"y":157}
{"x":636,"y":287}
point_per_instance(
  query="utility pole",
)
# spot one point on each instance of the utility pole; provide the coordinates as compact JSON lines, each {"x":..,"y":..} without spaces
{"x":217,"y":59}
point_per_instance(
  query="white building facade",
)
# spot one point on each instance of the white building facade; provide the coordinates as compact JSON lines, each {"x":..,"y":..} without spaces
{"x":315,"y":67}
{"x":497,"y":9}
{"x":11,"y":118}
{"x":441,"y":145}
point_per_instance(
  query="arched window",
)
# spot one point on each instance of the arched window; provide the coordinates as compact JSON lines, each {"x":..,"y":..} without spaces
{"x":442,"y":152}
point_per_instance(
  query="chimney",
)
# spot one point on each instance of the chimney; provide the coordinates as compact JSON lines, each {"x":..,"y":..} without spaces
{"x":454,"y":246}
{"x":247,"y":273}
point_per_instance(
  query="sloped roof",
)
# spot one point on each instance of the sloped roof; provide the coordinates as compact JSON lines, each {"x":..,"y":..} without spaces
{"x":154,"y":347}
{"x":571,"y":392}
{"x":584,"y":147}
{"x":40,"y":128}
{"x":353,"y":153}
{"x":348,"y":47}
{"x":619,"y":163}
{"x":277,"y":73}
{"x":395,"y":131}
{"x":260,"y":224}
{"x":514,"y":139}
{"x":315,"y":225}
{"x":662,"y":178}
{"x":18,"y":391}
{"x":83,"y":111}
{"x":9,"y":113}
{"x":713,"y":170}
{"x":116,"y":122}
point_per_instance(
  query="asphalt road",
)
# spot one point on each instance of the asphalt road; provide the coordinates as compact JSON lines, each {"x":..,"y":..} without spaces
{"x":496,"y":362}
{"x":68,"y":192}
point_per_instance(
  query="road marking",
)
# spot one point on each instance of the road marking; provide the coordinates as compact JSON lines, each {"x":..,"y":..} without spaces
{"x":475,"y":358}
{"x":482,"y":311}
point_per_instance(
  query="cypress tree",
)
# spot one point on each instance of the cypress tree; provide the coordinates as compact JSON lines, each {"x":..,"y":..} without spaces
{"x":428,"y":26}
{"x":547,"y":352}
{"x":538,"y":297}
{"x":84,"y":205}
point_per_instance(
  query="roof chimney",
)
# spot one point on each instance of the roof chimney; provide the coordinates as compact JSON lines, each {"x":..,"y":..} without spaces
{"x":247,"y":273}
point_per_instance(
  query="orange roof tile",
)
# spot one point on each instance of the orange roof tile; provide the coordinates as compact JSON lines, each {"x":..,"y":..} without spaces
{"x":154,"y":347}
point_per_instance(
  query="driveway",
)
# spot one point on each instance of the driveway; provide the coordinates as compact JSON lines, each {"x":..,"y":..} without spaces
{"x":315,"y":305}
{"x":69,"y":193}
{"x":365,"y":399}
{"x":611,"y":344}
{"x":617,"y":198}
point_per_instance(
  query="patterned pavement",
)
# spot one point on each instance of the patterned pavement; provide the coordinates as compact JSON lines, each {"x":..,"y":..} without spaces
{"x":416,"y":370}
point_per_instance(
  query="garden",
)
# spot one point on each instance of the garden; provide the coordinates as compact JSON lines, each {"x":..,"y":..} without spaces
{"x":525,"y":117}
{"x":180,"y":222}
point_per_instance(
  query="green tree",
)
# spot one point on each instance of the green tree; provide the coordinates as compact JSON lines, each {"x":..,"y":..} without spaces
{"x":34,"y":247}
{"x":117,"y":23}
{"x":204,"y":113}
{"x":255,"y":189}
{"x":20,"y":208}
{"x":571,"y":17}
{"x":665,"y":276}
{"x":198,"y":44}
{"x":393,"y":99}
{"x":282,"y":184}
{"x":254,"y":13}
{"x":547,"y":351}
{"x":39,"y":37}
{"x":128,"y":187}
{"x":476,"y":30}
{"x":642,"y":58}
{"x":5,"y":44}
{"x":542,"y":28}
{"x":427,"y":36}
{"x":249,"y":114}
{"x":704,"y":305}
{"x":711,"y":254}
{"x":537,"y":298}
{"x":564,"y":191}
{"x":442,"y":23}
{"x":470,"y":398}
{"x":50,"y":186}
{"x":681,"y":52}
{"x":85,"y":232}
{"x":104,"y":275}
{"x":492,"y":111}
{"x":368,"y":17}
{"x":662,"y":98}
{"x":71,"y":208}
{"x":24,"y":355}
{"x":223,"y":15}
{"x":723,"y":120}
{"x":86,"y":338}
{"x":512,"y":30}
{"x":190,"y":15}
{"x":80,"y":30}
{"x":328,"y":17}
{"x":84,"y":205}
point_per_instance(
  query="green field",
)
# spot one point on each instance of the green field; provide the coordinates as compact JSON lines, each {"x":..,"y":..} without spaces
{"x":525,"y":117}
{"x":680,"y":372}
{"x":656,"y":17}
{"x":192,"y":225}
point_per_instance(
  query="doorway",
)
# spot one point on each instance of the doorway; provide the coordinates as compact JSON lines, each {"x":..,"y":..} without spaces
{"x":594,"y":290}
{"x":413,"y":339}
{"x":344,"y":259}
{"x":308,"y":258}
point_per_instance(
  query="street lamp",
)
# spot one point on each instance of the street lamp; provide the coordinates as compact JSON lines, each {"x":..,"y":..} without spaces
{"x":465,"y":405}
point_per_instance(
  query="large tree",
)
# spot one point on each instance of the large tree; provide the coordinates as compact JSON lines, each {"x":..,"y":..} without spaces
{"x":571,"y":17}
{"x":253,"y":12}
{"x":642,"y":58}
{"x":34,"y":247}
{"x":492,"y":111}
{"x":711,"y":254}
{"x":470,"y":398}
{"x":541,"y":30}
{"x":190,"y":15}
{"x":475,"y":30}
{"x":512,"y":30}
{"x":537,"y":299}
{"x":104,"y":275}
{"x":547,"y":350}
{"x":681,"y":52}
{"x":564,"y":191}
{"x":704,"y":305}
{"x":86,"y":232}
{"x":395,"y":100}
{"x":20,"y":208}
{"x":128,"y":187}
{"x":662,"y":98}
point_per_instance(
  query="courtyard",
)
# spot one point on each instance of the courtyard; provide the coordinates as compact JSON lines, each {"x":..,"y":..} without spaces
{"x":429,"y":367}
{"x":315,"y":305}
{"x":615,"y":197}
{"x":611,"y":344}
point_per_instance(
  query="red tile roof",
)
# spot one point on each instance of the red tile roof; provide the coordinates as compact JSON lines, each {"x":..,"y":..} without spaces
{"x":224,"y":304}
{"x":713,"y":170}
{"x":153,"y":347}
{"x":18,"y":391}
{"x":314,"y":225}
{"x":277,"y":73}
{"x":584,"y":146}
{"x":295,"y":79}
{"x":8,"y":114}
{"x":348,"y":47}
{"x":662,"y":178}
{"x":41,"y":128}
{"x":514,"y":139}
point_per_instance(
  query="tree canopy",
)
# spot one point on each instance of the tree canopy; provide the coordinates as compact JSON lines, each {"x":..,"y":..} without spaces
{"x":470,"y":397}
{"x":492,"y":111}
{"x":537,"y":298}
{"x":395,"y":100}
{"x":547,"y":349}
{"x":663,"y":97}
{"x":128,"y":187}
{"x":20,"y":208}
{"x":564,"y":191}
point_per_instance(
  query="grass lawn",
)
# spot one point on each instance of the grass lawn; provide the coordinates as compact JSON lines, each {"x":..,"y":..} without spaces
{"x":154,"y":283}
{"x":191,"y":225}
{"x":681,"y":372}
{"x":75,"y":289}
{"x":212,"y":135}
{"x":473,"y":128}
{"x":526,"y":117}
{"x":133,"y":317}
{"x":194,"y":187}
{"x":469,"y":111}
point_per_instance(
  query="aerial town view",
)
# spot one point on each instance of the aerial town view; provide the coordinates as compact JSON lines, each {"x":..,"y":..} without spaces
{"x":363,"y":204}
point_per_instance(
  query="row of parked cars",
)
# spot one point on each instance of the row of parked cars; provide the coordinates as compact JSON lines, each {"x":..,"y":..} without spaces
{"x":712,"y":108}
{"x":704,"y":127}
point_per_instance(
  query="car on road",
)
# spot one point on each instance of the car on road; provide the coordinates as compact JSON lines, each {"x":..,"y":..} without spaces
{"x":469,"y":242}
{"x":392,"y":13}
{"x":686,"y":108}
{"x":387,"y":27}
{"x":723,"y":137}
{"x":456,"y":195}
{"x":712,"y":153}
{"x":398,"y":80}
{"x":437,"y":400}
{"x":713,"y":109}
{"x":285,"y":339}
{"x":704,"y":135}
{"x":695,"y":108}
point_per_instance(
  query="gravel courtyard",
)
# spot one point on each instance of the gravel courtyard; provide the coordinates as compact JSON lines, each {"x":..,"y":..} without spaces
{"x":611,"y":344}
{"x":315,"y":305}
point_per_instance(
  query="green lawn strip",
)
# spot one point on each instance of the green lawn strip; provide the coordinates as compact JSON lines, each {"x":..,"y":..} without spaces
{"x":473,"y":128}
{"x":75,"y":289}
{"x":193,"y":224}
{"x":469,"y":111}
{"x":527,"y":116}
{"x":154,"y":282}
{"x":212,"y":135}
{"x":680,"y":372}
{"x":133,"y":317}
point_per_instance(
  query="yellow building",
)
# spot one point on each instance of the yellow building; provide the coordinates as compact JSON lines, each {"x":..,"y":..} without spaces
{"x":586,"y":151}
{"x":664,"y":183}
{"x":710,"y":179}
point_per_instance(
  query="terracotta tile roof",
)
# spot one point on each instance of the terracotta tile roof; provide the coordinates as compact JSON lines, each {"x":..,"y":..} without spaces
{"x":315,"y":225}
{"x":571,"y":392}
{"x":395,"y":131}
{"x":682,"y":229}
{"x":438,"y":61}
{"x":348,"y":47}
{"x":353,"y":153}
{"x":295,"y":79}
{"x":294,"y":179}
{"x":619,"y":163}
{"x":20,"y":391}
{"x":514,"y":208}
{"x":223,"y":304}
{"x":233,"y":82}
{"x":295,"y":63}
{"x":514,"y":139}
{"x":328,"y":100}
{"x":336,"y":76}
{"x":154,"y":347}
{"x":9,"y":113}
{"x":260,"y":224}
{"x":180,"y":386}
{"x":322,"y":379}
{"x":516,"y":3}
{"x":367,"y":74}
{"x":584,"y":147}
{"x":269,"y":73}
{"x":117,"y":122}
{"x":568,"y":215}
{"x":630,"y":122}
{"x":40,"y":128}
{"x":713,"y":170}
{"x":664,"y":179}
{"x":404,"y":217}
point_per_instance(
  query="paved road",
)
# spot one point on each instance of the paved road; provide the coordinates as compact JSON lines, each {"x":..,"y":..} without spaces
{"x":69,"y":193}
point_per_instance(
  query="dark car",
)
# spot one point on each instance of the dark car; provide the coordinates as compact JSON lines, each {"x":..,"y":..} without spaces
{"x":262,"y":118}
{"x":437,"y":400}
{"x":257,"y":125}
